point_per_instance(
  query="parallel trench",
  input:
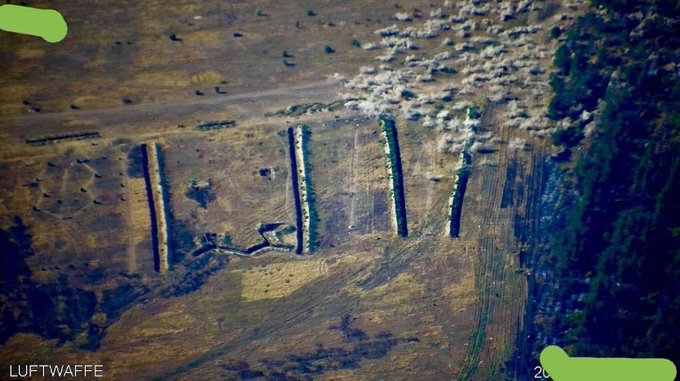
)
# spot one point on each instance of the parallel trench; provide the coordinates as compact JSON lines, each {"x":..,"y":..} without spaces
{"x":296,"y":190}
{"x":396,"y":175}
{"x":158,"y":203}
{"x":458,"y":196}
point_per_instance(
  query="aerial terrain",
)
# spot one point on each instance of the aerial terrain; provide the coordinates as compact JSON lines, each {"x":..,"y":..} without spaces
{"x":340,"y":190}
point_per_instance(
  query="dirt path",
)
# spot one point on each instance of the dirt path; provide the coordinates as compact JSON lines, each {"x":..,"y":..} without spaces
{"x":353,"y":180}
{"x":138,"y":132}
{"x":131,"y":111}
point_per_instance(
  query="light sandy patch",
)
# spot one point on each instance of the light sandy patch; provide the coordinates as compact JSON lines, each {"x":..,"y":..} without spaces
{"x":281,"y":279}
{"x":208,"y":77}
{"x":25,"y":53}
{"x":140,"y":223}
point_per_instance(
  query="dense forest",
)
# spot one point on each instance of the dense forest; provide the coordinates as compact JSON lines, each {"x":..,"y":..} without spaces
{"x":616,"y":249}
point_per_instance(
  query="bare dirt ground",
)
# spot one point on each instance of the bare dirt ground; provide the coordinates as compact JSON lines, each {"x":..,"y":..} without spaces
{"x":366,"y":305}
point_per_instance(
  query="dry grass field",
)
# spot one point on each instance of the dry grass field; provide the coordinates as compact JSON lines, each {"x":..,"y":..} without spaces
{"x":365,"y":305}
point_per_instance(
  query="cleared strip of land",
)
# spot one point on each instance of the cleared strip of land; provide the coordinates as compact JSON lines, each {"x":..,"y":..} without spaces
{"x":305,"y":184}
{"x":302,"y":189}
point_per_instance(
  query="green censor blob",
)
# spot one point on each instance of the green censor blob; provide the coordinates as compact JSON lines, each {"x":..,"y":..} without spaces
{"x":560,"y":367}
{"x":46,"y":23}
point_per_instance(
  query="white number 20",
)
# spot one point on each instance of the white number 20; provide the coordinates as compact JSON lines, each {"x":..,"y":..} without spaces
{"x":540,"y":373}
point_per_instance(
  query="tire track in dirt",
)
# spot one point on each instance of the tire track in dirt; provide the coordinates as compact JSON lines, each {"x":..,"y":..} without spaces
{"x":490,"y":263}
{"x":353,"y":180}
